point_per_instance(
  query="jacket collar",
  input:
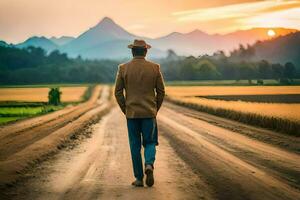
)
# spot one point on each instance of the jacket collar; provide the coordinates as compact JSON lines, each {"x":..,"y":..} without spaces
{"x":138,"y":57}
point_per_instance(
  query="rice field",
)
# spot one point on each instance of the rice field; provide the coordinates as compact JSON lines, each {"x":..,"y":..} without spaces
{"x":269,"y":115}
{"x":181,"y":91}
{"x":20,"y":103}
{"x":264,"y":98}
{"x":286,"y":111}
{"x":69,"y":94}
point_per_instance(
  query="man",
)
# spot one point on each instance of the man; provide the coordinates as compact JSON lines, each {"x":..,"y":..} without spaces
{"x":144,"y":93}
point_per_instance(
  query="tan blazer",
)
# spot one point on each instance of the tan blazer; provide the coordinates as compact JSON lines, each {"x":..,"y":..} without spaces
{"x":144,"y":88}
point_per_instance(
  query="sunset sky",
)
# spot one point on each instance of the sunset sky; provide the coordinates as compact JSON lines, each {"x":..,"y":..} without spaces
{"x":20,"y":19}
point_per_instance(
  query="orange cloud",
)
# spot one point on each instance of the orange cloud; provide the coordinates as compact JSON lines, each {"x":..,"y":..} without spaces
{"x":152,"y":18}
{"x":245,"y":15}
{"x":235,"y":11}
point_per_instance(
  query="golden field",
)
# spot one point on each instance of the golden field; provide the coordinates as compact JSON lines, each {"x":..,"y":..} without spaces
{"x":180,"y":91}
{"x":69,"y":94}
{"x":281,"y":110}
{"x":280,"y":116}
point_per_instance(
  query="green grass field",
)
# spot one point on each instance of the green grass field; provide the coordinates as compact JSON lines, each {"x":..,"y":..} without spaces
{"x":4,"y":120}
{"x":15,"y":110}
{"x":20,"y":111}
{"x":10,"y":114}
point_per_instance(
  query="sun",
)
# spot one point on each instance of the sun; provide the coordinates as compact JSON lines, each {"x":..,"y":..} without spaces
{"x":271,"y":33}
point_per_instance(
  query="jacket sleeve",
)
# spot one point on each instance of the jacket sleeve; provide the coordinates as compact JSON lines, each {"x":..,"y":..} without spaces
{"x":160,"y":89}
{"x":119,"y":87}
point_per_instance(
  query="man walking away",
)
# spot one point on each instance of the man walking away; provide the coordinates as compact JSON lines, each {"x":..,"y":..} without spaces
{"x":144,"y":93}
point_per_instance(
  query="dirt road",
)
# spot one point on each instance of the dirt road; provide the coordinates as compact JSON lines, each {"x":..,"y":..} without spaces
{"x":25,"y":142}
{"x":196,"y":159}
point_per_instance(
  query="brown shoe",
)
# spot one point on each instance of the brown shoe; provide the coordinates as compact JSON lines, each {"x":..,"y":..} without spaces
{"x":138,"y":183}
{"x":149,"y":173}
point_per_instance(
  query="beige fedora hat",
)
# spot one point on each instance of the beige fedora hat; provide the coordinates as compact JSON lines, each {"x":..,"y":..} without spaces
{"x":139,"y":43}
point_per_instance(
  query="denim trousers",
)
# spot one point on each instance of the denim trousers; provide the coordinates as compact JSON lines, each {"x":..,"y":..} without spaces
{"x":142,"y":131}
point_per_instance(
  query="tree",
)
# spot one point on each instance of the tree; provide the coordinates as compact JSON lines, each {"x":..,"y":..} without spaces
{"x":57,"y":57}
{"x":277,"y":70}
{"x":171,"y":55}
{"x":206,"y":70}
{"x":54,"y":96}
{"x":247,"y":71}
{"x":289,"y":70}
{"x":187,"y":68}
{"x":264,"y":69}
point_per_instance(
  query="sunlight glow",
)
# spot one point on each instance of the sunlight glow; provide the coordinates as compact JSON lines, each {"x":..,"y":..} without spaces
{"x":271,"y":33}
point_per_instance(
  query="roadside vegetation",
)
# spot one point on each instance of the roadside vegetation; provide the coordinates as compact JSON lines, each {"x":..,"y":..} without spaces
{"x":88,"y":93}
{"x":280,"y":116}
{"x":21,"y":103}
{"x":10,"y":112}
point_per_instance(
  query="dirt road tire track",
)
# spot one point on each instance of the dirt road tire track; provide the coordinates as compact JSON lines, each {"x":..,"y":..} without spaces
{"x":290,"y":143}
{"x":18,"y":137}
{"x":280,"y":159}
{"x":14,"y":165}
{"x":196,"y":159}
{"x":230,"y":174}
{"x":100,"y":168}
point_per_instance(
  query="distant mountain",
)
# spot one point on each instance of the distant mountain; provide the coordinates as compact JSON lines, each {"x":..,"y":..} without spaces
{"x":279,"y":50}
{"x":61,"y":40}
{"x":109,"y":40}
{"x":116,"y":49}
{"x":3,"y":44}
{"x":233,"y":40}
{"x":105,"y":32}
{"x":194,"y":42}
{"x":42,"y":42}
{"x":198,"y":42}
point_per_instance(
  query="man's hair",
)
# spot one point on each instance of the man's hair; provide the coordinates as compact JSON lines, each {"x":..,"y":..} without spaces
{"x":139,"y":51}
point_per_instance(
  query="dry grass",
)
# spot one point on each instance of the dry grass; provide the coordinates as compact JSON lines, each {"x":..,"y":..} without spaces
{"x":72,"y":94}
{"x":69,"y":94}
{"x":180,"y":91}
{"x":280,"y":110}
{"x":279,"y":116}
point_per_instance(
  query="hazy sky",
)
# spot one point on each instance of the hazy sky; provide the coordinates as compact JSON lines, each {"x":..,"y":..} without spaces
{"x":20,"y":19}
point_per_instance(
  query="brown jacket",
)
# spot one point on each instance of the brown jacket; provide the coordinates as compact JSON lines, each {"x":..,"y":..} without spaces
{"x":144,"y":88}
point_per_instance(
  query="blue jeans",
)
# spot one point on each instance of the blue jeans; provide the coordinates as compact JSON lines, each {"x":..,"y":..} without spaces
{"x":142,"y":131}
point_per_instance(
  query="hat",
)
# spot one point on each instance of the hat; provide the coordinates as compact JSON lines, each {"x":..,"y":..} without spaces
{"x":139,"y":43}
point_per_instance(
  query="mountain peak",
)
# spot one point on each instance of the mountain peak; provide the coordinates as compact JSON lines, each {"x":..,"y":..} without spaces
{"x":107,"y":25}
{"x":105,"y":31}
{"x":33,"y":38}
{"x":61,"y":40}
{"x":108,"y":29}
{"x":3,"y":44}
{"x":105,"y":21}
{"x":197,"y":32}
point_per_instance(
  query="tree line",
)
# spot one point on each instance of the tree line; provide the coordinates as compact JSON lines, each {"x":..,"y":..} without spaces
{"x":33,"y":65}
{"x":221,"y":67}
